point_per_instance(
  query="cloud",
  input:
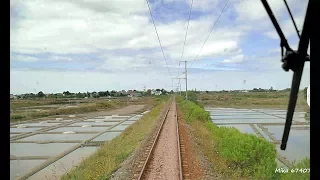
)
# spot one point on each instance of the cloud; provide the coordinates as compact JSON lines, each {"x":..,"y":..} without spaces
{"x":204,"y":5}
{"x":287,"y":28}
{"x":112,"y":6}
{"x":22,"y":81}
{"x":61,"y":58}
{"x":22,"y":58}
{"x":94,"y":40}
{"x":234,"y":59}
{"x":84,"y":31}
{"x":254,"y":10}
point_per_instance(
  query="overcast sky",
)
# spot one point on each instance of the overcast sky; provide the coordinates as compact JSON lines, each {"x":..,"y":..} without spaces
{"x":97,"y":45}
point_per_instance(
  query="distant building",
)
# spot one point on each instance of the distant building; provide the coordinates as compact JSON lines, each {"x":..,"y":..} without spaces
{"x":13,"y":96}
{"x":158,"y":93}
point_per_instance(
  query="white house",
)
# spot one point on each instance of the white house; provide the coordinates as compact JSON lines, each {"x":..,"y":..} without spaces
{"x":13,"y":96}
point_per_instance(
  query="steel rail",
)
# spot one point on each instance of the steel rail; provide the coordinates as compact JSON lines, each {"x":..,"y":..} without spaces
{"x":155,"y":142}
{"x":179,"y":151}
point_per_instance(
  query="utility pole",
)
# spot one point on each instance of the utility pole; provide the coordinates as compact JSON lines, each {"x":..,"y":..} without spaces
{"x":179,"y":84}
{"x":172,"y":85}
{"x":186,"y":77}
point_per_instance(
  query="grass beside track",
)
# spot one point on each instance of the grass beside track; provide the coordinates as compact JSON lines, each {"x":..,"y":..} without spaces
{"x":234,"y":155}
{"x":109,"y":157}
{"x":299,"y":173}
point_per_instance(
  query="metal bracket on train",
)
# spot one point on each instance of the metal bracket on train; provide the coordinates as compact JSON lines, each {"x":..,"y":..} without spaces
{"x":292,"y":59}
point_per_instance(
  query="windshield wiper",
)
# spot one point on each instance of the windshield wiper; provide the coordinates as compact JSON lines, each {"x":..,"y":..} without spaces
{"x":292,"y":60}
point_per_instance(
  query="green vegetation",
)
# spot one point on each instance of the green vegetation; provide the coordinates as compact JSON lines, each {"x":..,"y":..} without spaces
{"x":277,"y":100}
{"x":108,"y":158}
{"x":305,"y":92}
{"x":81,"y":95}
{"x":298,"y":175}
{"x":235,"y":155}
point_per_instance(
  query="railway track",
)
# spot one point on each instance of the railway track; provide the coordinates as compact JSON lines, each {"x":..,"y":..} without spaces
{"x":154,"y":158}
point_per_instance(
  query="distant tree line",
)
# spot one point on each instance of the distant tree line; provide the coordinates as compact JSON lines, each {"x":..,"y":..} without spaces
{"x":68,"y":94}
{"x":263,"y":90}
{"x":253,"y":90}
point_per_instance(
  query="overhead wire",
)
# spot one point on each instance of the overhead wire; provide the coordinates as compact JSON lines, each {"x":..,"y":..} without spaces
{"x":158,"y":38}
{"x":292,"y":18}
{"x":185,"y":37}
{"x":294,"y":23}
{"x":232,"y":24}
{"x":224,"y":7}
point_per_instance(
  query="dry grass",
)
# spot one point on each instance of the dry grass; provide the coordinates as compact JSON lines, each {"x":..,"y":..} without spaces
{"x":18,"y":116}
{"x":109,"y":157}
{"x":22,"y":103}
{"x":278,"y":100}
{"x":86,"y":106}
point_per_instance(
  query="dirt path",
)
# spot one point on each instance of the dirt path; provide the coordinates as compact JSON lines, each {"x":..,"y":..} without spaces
{"x":164,"y":163}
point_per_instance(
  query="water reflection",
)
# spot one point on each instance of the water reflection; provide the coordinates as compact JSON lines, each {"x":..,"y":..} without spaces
{"x":18,"y":167}
{"x":298,"y":146}
{"x":63,"y":165}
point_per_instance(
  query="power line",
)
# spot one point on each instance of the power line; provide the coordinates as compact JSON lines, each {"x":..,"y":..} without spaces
{"x":185,"y":38}
{"x":158,"y":38}
{"x":227,"y":1}
{"x":294,"y":23}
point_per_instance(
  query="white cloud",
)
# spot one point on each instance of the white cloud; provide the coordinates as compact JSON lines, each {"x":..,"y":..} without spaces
{"x":122,"y":62}
{"x":22,"y":81}
{"x":60,"y":58}
{"x":83,"y":30}
{"x":287,"y":28}
{"x":22,"y":58}
{"x":254,"y":10}
{"x":204,"y":5}
{"x":84,"y":27}
{"x":234,"y":59}
{"x":234,"y":80}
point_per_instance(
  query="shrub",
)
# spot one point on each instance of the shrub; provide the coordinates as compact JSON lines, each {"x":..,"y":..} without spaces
{"x":248,"y":154}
